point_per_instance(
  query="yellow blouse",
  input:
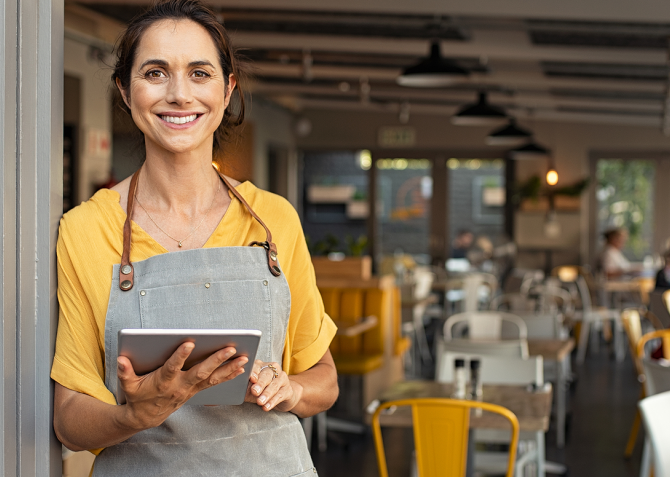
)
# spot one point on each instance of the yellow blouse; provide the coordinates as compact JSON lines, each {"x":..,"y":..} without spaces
{"x":91,"y":240}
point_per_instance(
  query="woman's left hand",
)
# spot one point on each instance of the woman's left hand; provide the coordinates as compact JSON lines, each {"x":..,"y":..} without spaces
{"x":272,"y":392}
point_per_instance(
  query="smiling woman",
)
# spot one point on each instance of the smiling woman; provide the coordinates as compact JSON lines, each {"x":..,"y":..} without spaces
{"x":177,"y":72}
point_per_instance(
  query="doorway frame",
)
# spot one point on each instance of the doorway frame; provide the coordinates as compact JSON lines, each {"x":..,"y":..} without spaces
{"x":31,"y":178}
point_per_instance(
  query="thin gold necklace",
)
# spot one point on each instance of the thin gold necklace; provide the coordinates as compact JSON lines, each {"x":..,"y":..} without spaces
{"x":179,"y":242}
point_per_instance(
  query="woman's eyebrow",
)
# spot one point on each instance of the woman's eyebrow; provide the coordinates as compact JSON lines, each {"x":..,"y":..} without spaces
{"x":154,"y":62}
{"x":201,"y":63}
{"x":164,"y":63}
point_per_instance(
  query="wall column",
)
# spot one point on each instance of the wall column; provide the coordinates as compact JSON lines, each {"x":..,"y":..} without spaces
{"x":31,"y":131}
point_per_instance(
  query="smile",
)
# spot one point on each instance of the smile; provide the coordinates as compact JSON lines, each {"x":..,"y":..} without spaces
{"x":179,"y":120}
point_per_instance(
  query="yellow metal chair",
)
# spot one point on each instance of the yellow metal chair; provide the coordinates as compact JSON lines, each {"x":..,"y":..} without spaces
{"x":441,"y":435}
{"x":632,"y":324}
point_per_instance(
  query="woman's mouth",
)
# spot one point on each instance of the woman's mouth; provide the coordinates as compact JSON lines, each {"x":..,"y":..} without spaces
{"x":179,"y":120}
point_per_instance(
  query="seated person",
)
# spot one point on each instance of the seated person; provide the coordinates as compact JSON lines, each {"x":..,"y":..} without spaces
{"x":612,"y":261}
{"x":462,"y":244}
{"x":663,"y":275}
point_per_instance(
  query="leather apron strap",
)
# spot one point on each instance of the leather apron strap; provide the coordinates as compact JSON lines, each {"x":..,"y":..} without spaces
{"x":126,"y":270}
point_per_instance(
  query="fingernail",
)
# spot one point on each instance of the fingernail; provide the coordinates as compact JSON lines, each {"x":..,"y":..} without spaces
{"x":121,"y":367}
{"x":262,"y":399}
{"x":256,"y":389}
{"x":254,"y":375}
{"x":267,"y":406}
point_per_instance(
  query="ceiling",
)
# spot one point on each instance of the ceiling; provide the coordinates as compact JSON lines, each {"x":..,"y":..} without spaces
{"x":600,"y":61}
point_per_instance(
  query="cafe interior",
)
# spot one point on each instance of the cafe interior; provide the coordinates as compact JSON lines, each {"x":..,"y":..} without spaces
{"x":481,"y":186}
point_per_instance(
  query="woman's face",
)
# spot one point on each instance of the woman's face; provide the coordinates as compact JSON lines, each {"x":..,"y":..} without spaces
{"x":178,"y":92}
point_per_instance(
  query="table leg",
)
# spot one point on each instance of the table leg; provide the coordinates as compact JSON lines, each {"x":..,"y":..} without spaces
{"x":584,"y":332}
{"x":539,"y":456}
{"x":560,"y":402}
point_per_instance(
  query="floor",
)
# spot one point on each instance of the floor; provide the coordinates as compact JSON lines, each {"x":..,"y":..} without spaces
{"x":603,"y":400}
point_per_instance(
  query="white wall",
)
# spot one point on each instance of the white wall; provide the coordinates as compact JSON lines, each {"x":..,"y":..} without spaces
{"x":93,"y":168}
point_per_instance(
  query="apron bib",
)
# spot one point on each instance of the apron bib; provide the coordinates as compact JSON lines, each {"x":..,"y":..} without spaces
{"x":244,"y":292}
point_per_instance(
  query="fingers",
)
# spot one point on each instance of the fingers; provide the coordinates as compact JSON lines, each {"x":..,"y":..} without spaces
{"x":258,"y":364}
{"x":211,"y":369}
{"x":124,"y":370}
{"x":264,"y":378}
{"x":225,"y":373}
{"x":175,"y":363}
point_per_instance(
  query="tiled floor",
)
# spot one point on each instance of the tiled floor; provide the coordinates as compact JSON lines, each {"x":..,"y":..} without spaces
{"x":603,"y":404}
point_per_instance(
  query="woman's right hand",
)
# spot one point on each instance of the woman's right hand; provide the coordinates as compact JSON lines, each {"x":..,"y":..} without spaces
{"x":151,"y":398}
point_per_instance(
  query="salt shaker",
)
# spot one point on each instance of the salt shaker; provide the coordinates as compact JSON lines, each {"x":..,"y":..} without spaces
{"x":459,"y":379}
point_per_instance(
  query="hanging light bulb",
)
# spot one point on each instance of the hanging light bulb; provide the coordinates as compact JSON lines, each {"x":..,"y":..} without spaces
{"x":532,"y":150}
{"x":508,"y":135}
{"x":432,"y":72}
{"x":552,"y":176}
{"x":479,"y":114}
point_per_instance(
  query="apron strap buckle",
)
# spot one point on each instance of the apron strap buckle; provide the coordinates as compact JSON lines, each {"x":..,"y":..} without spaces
{"x":271,"y":249}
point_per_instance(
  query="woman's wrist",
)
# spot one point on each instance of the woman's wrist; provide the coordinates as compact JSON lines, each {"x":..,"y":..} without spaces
{"x":298,"y":390}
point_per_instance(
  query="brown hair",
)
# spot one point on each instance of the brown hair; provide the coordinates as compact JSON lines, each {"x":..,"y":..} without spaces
{"x":611,"y":234}
{"x":195,"y":11}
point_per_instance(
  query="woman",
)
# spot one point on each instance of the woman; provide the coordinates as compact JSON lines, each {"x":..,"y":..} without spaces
{"x":176,"y":73}
{"x":614,"y":263}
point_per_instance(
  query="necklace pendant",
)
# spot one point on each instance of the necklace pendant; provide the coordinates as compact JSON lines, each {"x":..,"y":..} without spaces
{"x":179,"y":244}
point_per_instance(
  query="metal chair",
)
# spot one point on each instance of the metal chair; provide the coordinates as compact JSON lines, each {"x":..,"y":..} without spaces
{"x":656,"y":379}
{"x":494,"y":369}
{"x":441,"y":428}
{"x":511,"y":348}
{"x":656,"y":415}
{"x":590,"y":316}
{"x":484,"y":325}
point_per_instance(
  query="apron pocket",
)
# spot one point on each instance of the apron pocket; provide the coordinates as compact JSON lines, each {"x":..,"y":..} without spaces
{"x":234,"y":304}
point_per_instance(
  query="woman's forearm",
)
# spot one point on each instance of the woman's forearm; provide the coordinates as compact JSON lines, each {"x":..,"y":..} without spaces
{"x":317,"y":387}
{"x":82,"y":422}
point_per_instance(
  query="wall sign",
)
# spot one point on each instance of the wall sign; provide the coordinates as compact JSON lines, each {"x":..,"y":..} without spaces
{"x":396,"y":136}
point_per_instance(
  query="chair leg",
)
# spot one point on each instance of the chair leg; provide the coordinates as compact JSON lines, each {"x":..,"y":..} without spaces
{"x":321,"y":429}
{"x":583,"y":341}
{"x":619,"y":347}
{"x":632,"y":437}
{"x":308,"y":426}
{"x":645,"y":468}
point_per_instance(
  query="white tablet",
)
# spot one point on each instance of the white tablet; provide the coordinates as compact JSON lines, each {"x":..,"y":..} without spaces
{"x":148,"y":350}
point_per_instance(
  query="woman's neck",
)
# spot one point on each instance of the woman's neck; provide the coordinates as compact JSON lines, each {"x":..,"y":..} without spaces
{"x":182,"y":183}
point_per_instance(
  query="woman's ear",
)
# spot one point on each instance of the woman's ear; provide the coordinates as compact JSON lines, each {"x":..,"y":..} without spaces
{"x":230,"y":87}
{"x":125,"y":97}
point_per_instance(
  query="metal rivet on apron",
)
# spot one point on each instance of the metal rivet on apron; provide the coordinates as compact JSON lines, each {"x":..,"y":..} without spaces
{"x":276,"y":268}
{"x":143,"y":293}
{"x":273,"y":255}
{"x":126,"y":285}
{"x":126,"y":269}
{"x":265,"y":282}
{"x":206,"y":285}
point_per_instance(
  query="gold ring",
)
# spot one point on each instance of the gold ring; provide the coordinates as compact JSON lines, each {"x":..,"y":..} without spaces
{"x":274,"y":370}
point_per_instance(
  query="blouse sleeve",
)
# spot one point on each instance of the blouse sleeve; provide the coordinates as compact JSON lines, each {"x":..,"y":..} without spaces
{"x":79,"y":359}
{"x":310,"y":329}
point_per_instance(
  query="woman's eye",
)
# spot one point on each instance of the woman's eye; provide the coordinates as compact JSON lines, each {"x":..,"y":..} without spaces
{"x":155,"y":74}
{"x":200,"y":74}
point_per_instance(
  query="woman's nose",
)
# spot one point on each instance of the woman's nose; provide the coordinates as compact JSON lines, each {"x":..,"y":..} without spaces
{"x":179,"y":90}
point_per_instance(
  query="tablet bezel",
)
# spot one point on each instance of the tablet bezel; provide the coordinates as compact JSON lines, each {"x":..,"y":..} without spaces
{"x":148,"y":349}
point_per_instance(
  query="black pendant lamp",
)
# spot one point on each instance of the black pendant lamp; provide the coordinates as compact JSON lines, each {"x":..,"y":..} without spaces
{"x":531,"y":150}
{"x":479,"y":114}
{"x":432,"y":72}
{"x":508,"y":135}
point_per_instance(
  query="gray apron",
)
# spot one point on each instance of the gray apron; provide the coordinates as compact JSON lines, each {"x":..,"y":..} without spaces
{"x":246,"y":291}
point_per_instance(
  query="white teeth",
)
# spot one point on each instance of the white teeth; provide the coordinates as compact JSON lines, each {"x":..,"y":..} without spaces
{"x":179,"y":120}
